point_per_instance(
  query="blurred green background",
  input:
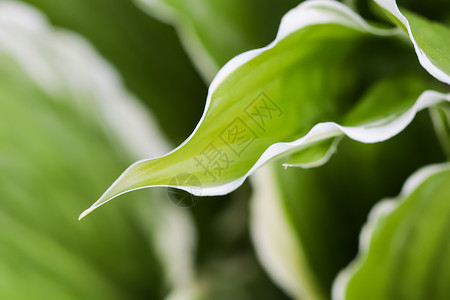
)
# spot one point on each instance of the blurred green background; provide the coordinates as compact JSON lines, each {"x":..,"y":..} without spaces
{"x":58,"y":154}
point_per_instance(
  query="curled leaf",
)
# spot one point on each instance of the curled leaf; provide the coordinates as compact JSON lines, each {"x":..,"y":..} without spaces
{"x":277,"y":245}
{"x":431,"y":40}
{"x":56,"y":153}
{"x":305,"y":222}
{"x":403,"y":248}
{"x":212,"y":31}
{"x":302,"y":88}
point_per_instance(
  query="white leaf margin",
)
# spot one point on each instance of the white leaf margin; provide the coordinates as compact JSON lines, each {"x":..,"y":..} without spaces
{"x":392,"y":8}
{"x":319,"y":162}
{"x":63,"y":63}
{"x":308,"y":13}
{"x":198,"y":52}
{"x":276,"y":244}
{"x":381,"y":210}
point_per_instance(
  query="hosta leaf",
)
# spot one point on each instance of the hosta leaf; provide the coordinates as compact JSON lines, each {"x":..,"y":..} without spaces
{"x":313,"y":155}
{"x":305,"y":223}
{"x":213,"y":31}
{"x":58,"y":146}
{"x":440,"y":115}
{"x":404,"y":246}
{"x":146,"y":53}
{"x":438,"y":10}
{"x":296,"y":91}
{"x":276,"y":241}
{"x":431,"y":40}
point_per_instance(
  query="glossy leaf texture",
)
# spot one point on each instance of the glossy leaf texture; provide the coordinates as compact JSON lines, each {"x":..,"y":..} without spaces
{"x":328,"y":73}
{"x":58,"y":147}
{"x":403,"y":248}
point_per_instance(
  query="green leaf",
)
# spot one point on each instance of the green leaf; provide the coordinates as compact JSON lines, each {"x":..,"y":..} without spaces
{"x":440,"y":115}
{"x":276,"y":242}
{"x":53,"y":159}
{"x":59,"y":146}
{"x":431,"y":40}
{"x":273,"y":101}
{"x":404,"y":246}
{"x":438,"y":10}
{"x":313,"y":155}
{"x":146,"y":53}
{"x":213,"y":31}
{"x":305,"y":222}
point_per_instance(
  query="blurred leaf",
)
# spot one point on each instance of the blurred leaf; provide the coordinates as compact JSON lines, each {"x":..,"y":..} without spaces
{"x":305,"y":223}
{"x":432,"y":9}
{"x":276,"y":242}
{"x":213,"y":31}
{"x":147,"y":54}
{"x":166,"y":225}
{"x":58,"y":147}
{"x":440,"y":115}
{"x":256,"y":108}
{"x":52,"y":161}
{"x":404,"y":246}
{"x":431,"y":40}
{"x":238,"y":277}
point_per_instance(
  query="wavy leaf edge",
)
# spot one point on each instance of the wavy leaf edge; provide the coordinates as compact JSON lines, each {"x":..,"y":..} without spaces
{"x":308,"y":13}
{"x":382,"y":209}
{"x":392,"y":8}
{"x":174,"y":234}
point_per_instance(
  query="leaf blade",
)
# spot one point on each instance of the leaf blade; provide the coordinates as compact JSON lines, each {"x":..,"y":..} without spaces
{"x":265,"y":79}
{"x":399,"y":230}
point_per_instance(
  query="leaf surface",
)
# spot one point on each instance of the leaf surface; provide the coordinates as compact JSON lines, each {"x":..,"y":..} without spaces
{"x":314,"y":82}
{"x":58,"y":147}
{"x":305,"y":223}
{"x":431,"y":40}
{"x":404,"y":246}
